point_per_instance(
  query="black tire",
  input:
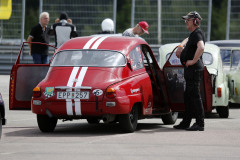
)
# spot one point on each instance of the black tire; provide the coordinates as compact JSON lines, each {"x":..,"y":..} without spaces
{"x":45,"y":123}
{"x":0,"y":125}
{"x":170,"y":118}
{"x":93,"y":120}
{"x":128,"y":122}
{"x":223,"y":111}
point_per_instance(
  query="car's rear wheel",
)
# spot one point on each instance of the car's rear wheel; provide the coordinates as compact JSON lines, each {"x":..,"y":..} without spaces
{"x":0,"y":125}
{"x":93,"y":120}
{"x":128,"y":122}
{"x":170,"y":118}
{"x":45,"y":123}
{"x":223,"y":111}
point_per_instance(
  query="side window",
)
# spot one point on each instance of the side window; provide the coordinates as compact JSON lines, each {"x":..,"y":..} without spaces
{"x":136,"y":58}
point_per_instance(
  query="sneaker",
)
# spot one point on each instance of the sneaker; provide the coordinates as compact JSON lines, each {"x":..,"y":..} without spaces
{"x":195,"y":127}
{"x":180,"y":126}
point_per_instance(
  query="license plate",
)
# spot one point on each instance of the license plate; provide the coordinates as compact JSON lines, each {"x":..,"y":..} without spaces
{"x":73,"y":95}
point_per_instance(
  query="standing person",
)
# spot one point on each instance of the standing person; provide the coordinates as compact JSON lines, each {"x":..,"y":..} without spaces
{"x":190,"y":52}
{"x":63,"y":29}
{"x":39,"y":33}
{"x":138,"y":30}
{"x":107,"y":26}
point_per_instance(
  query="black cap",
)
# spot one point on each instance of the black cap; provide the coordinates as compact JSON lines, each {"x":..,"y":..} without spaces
{"x":192,"y":14}
{"x":63,"y":15}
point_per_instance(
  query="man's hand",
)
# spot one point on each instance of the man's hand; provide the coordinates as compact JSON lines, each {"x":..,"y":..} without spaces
{"x":57,"y":20}
{"x":189,"y":63}
{"x":69,"y":20}
{"x":179,"y":51}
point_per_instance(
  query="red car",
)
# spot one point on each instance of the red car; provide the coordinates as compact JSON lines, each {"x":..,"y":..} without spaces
{"x":109,"y":78}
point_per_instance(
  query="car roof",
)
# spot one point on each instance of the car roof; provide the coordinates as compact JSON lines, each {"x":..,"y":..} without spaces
{"x":226,"y":43}
{"x":105,"y":42}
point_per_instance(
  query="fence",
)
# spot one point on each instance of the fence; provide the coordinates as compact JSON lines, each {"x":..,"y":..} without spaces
{"x":233,"y":20}
{"x":163,"y":16}
{"x":10,"y":30}
{"x":87,"y":15}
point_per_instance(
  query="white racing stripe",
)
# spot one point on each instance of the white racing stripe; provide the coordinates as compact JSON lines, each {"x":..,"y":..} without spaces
{"x":89,"y":43}
{"x":70,"y":84}
{"x":98,"y":42}
{"x":78,"y":84}
{"x":81,"y":76}
{"x":84,"y":70}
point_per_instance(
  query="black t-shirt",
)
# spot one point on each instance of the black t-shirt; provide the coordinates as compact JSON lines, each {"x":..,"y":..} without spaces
{"x":39,"y":36}
{"x":191,"y":47}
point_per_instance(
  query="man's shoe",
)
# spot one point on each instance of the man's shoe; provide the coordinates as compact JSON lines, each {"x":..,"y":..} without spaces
{"x":195,"y":127}
{"x":180,"y":126}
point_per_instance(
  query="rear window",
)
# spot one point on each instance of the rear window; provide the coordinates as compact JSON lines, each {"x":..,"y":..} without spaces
{"x":206,"y":57}
{"x":226,"y":56}
{"x":89,"y":58}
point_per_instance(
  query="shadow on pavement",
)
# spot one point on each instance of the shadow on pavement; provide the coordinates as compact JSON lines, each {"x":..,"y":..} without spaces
{"x":83,"y":130}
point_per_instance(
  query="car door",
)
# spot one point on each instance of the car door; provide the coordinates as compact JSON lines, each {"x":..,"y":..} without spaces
{"x":173,"y":73}
{"x":160,"y":97}
{"x":25,"y":75}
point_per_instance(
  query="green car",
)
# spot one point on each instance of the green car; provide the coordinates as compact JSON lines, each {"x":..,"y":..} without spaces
{"x":213,"y":62}
{"x":230,"y":52}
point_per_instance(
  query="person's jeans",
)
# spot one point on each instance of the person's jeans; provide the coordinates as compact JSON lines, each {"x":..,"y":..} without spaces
{"x":40,"y":59}
{"x":192,"y":97}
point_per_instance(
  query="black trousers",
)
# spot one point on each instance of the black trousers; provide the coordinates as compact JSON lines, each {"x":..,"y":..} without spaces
{"x":192,"y":97}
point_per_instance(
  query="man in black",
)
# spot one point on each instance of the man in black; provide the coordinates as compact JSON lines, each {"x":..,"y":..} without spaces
{"x":39,"y":33}
{"x":63,"y":29}
{"x":190,"y":53}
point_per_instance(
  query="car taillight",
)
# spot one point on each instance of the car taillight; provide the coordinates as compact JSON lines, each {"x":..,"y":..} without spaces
{"x":111,"y":93}
{"x":219,"y":92}
{"x":37,"y":92}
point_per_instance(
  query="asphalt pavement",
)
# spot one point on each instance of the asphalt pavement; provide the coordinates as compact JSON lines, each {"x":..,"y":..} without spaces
{"x":21,"y":139}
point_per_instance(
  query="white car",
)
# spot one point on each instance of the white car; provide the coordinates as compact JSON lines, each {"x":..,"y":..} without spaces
{"x":230,"y":52}
{"x":213,"y":62}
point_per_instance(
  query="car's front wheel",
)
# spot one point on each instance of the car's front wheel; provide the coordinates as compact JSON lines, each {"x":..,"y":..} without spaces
{"x":45,"y":123}
{"x":170,"y":118}
{"x":128,"y":122}
{"x":223,"y":111}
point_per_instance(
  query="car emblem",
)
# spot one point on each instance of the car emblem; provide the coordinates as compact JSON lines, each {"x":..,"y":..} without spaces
{"x":97,"y":92}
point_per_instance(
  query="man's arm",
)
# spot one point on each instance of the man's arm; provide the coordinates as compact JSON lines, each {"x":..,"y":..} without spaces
{"x":180,"y":47}
{"x":198,"y":53}
{"x":30,"y":44}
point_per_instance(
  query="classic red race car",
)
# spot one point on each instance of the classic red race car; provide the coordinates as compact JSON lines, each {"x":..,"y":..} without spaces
{"x":109,"y":78}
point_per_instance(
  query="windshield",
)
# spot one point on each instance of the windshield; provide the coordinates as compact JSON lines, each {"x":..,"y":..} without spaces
{"x":206,"y":57}
{"x":89,"y":58}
